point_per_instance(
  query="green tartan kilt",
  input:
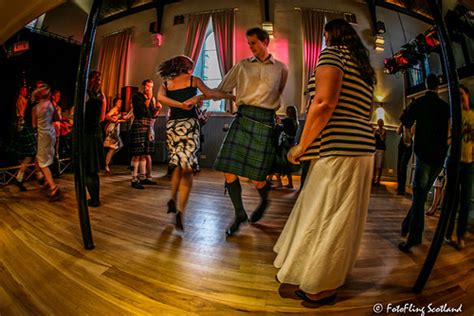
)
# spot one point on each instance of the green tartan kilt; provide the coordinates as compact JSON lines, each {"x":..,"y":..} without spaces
{"x":248,"y":149}
{"x":25,"y":144}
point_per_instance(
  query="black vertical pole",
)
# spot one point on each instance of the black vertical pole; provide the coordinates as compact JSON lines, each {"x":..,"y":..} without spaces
{"x":453,"y":162}
{"x":78,"y":132}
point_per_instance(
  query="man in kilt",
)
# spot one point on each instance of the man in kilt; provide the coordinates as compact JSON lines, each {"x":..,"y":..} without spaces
{"x":25,"y":138}
{"x":248,"y":149}
{"x":142,"y":139}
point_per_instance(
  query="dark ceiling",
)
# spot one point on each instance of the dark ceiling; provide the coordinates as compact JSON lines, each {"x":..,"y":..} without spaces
{"x":418,"y":6}
{"x":112,"y":7}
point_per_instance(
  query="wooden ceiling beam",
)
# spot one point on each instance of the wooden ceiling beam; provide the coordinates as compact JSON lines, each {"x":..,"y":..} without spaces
{"x":373,"y":16}
{"x":132,"y":10}
{"x":405,"y":11}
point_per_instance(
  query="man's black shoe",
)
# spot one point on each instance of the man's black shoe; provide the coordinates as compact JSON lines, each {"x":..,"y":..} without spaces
{"x":92,"y":203}
{"x":234,"y":228}
{"x":148,"y":182}
{"x":20,"y":185}
{"x":137,"y":185}
{"x":405,"y":246}
{"x":258,"y":213}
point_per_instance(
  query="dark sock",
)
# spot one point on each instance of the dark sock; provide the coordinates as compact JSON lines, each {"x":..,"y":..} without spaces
{"x":235,"y":194}
{"x":258,"y":213}
{"x":264,"y":191}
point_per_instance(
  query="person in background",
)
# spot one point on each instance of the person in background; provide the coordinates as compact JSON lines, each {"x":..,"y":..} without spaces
{"x":112,"y":141}
{"x":21,"y":105}
{"x":248,"y":149}
{"x":149,"y":161}
{"x":179,"y":92}
{"x":26,"y":139}
{"x":439,"y":187}
{"x":431,"y":115}
{"x":57,"y":117}
{"x":289,"y":129}
{"x":466,"y":174}
{"x":42,"y":120}
{"x":405,"y":149}
{"x":380,"y":147}
{"x":96,"y":105}
{"x":305,"y":164}
{"x":142,"y":145}
{"x":203,"y":118}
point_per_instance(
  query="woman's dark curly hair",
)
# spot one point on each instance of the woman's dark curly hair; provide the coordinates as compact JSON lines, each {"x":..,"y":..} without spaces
{"x":175,"y":66}
{"x":115,"y":100}
{"x":341,"y":33}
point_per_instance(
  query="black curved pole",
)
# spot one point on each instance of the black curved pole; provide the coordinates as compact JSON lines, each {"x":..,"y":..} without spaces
{"x":78,"y":132}
{"x":453,"y":161}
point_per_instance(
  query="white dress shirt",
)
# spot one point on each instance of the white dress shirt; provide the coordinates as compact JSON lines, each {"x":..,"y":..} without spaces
{"x":257,"y":83}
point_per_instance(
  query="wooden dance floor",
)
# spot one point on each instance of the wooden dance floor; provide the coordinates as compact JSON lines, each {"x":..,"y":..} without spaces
{"x":142,"y":265}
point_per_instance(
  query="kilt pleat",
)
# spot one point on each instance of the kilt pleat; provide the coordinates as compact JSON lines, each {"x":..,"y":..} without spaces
{"x":139,"y":143}
{"x":26,"y":143}
{"x":248,"y":149}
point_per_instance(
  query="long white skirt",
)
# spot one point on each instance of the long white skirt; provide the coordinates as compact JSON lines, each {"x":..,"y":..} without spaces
{"x":318,"y":246}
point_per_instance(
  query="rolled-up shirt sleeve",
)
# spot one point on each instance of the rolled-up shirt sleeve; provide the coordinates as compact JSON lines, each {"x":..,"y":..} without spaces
{"x":229,"y":82}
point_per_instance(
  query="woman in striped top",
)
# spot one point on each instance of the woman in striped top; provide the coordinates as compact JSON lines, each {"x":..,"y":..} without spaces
{"x":319,"y":244}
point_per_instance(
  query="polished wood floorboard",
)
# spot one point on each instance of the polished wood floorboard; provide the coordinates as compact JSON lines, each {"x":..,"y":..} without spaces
{"x":142,"y":265}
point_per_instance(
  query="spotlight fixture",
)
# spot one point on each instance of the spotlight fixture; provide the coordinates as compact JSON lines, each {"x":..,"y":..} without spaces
{"x":431,"y":39}
{"x":391,"y":66}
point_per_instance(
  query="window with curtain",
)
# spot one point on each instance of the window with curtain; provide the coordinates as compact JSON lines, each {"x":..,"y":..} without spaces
{"x":207,"y":68}
{"x":416,"y":76}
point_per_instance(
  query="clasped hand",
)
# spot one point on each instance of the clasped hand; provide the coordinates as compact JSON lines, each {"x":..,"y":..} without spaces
{"x":190,"y":103}
{"x":294,"y":154}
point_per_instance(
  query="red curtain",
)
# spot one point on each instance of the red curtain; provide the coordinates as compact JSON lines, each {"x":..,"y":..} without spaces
{"x":195,"y":32}
{"x":223,"y":25}
{"x":113,"y":63}
{"x":313,"y":28}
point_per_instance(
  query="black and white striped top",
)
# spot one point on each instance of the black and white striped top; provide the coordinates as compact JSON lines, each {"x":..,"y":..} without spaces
{"x":348,"y":132}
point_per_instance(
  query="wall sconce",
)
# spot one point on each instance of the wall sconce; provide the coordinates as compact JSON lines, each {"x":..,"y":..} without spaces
{"x":379,"y":42}
{"x":380,"y":27}
{"x":156,"y":40}
{"x":268,"y":26}
{"x":379,"y":111}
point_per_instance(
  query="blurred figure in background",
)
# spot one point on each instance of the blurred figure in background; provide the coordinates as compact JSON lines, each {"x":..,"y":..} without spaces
{"x":287,"y":139}
{"x":42,"y":120}
{"x":405,"y":149}
{"x":380,"y":147}
{"x":57,"y":117}
{"x":26,"y":138}
{"x":113,"y":143}
{"x":466,"y":173}
{"x":96,"y":105}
